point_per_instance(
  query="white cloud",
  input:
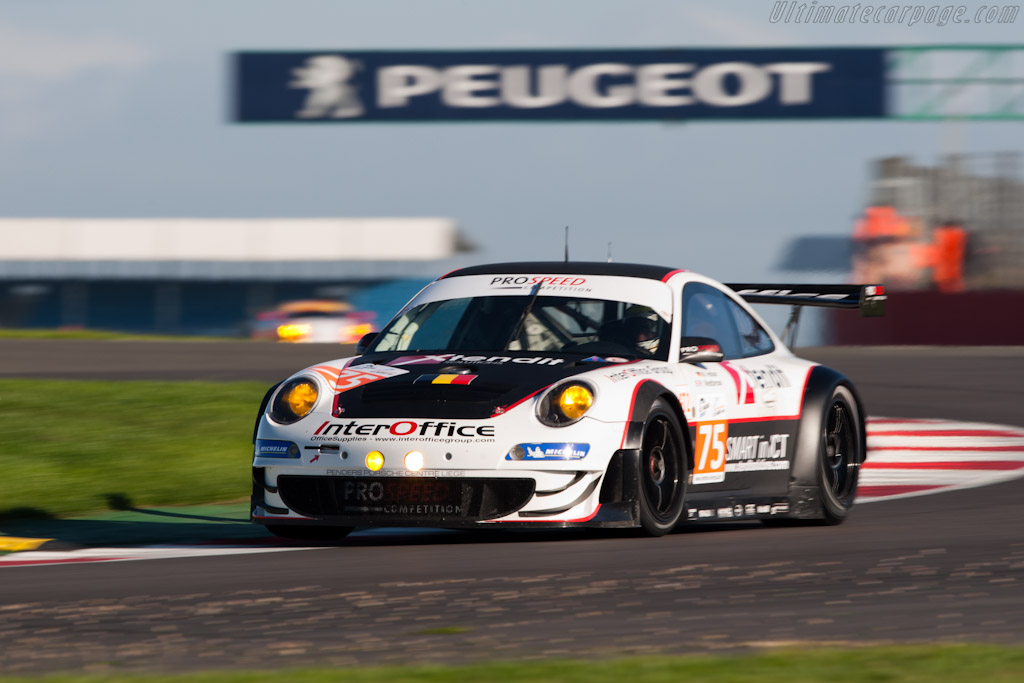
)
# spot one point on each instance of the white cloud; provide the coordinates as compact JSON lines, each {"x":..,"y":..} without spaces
{"x":50,"y":57}
{"x":749,"y":27}
{"x":39,"y":69}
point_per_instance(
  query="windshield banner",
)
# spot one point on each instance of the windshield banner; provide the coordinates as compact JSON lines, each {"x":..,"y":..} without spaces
{"x":650,"y":293}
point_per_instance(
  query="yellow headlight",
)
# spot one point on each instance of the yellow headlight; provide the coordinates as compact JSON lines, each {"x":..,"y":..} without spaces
{"x":301,"y":398}
{"x":374,"y":460}
{"x":290,"y":332}
{"x":575,"y":400}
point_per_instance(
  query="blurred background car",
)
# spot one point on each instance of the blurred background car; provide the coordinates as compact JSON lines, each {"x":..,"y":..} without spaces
{"x":313,"y":321}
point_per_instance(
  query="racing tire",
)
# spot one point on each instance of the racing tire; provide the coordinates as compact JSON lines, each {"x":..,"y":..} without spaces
{"x":662,"y":490}
{"x":310,"y":533}
{"x":840,"y":455}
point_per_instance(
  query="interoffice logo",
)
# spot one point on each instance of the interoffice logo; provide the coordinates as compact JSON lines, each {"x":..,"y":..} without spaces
{"x":331,"y":95}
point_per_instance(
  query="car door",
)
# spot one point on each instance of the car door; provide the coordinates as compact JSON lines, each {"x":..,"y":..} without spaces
{"x":740,"y":445}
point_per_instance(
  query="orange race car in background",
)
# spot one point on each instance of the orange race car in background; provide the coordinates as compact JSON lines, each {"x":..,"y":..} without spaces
{"x":314,"y":321}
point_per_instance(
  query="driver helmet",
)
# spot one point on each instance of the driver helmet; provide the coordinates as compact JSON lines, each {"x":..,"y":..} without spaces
{"x":642,"y":327}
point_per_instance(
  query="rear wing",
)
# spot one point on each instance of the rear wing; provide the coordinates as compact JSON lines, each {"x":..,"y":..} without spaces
{"x":868,"y":299}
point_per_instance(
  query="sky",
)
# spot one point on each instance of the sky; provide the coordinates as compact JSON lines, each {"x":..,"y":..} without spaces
{"x":121,"y":108}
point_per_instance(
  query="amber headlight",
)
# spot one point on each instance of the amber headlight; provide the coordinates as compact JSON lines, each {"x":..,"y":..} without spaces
{"x":565,"y":404}
{"x":294,"y":401}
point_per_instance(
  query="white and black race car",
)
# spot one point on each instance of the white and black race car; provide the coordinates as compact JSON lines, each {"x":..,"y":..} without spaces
{"x":565,"y":394}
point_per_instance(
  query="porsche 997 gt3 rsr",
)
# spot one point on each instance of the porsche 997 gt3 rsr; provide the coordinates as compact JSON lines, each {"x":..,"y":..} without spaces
{"x":565,"y":394}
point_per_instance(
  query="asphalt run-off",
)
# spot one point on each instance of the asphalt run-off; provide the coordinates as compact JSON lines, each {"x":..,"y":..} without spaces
{"x":906,"y":457}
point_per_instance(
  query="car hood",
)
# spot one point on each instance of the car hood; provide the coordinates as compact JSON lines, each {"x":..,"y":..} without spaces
{"x":451,"y":385}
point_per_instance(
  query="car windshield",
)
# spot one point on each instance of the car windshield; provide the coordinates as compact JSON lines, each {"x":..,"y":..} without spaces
{"x":529,"y":323}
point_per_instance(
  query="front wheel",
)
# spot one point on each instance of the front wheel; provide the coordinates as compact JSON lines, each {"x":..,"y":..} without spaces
{"x":840,"y":455}
{"x":662,"y":471}
{"x":310,"y":533}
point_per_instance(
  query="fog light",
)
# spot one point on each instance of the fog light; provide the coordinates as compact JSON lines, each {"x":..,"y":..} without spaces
{"x":374,"y":460}
{"x":414,"y":461}
{"x":517,"y":452}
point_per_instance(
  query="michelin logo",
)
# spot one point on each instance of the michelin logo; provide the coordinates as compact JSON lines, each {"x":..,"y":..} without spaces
{"x":330,"y":93}
{"x":269,"y":448}
{"x":549,"y":451}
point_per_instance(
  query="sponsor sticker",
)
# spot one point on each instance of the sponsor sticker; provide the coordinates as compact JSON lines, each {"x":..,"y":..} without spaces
{"x":757,"y":452}
{"x":447,"y":358}
{"x":548,"y":283}
{"x":404,"y":430}
{"x":685,"y":401}
{"x":406,"y":497}
{"x":550,"y":451}
{"x":632,"y":371}
{"x":402,"y":472}
{"x":707,"y":378}
{"x":746,"y":378}
{"x":270,"y":448}
{"x":709,"y":407}
{"x":711,"y":452}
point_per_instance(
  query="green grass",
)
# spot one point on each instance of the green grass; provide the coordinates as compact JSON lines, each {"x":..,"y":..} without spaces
{"x":102,"y":335}
{"x":75,"y":447}
{"x":924,"y":664}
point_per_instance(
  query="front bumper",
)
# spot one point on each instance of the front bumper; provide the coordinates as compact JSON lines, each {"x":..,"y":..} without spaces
{"x":450,"y":499}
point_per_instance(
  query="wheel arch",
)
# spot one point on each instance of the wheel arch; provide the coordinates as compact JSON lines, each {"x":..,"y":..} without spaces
{"x":644,"y":396}
{"x":263,"y":409}
{"x":821,"y":382}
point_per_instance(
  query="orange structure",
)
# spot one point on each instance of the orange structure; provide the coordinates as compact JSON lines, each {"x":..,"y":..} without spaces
{"x":949,"y":250}
{"x":886,"y":250}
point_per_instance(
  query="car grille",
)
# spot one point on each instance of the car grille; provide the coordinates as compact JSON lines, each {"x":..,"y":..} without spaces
{"x":372,"y":499}
{"x":428,"y":400}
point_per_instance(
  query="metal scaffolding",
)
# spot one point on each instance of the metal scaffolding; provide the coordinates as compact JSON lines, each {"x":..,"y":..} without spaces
{"x":939,"y":83}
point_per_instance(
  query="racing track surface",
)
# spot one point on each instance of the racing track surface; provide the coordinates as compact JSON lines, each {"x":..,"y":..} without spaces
{"x":930,"y":568}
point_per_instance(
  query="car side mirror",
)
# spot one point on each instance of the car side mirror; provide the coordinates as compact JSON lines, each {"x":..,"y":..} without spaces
{"x":700,"y":350}
{"x":364,"y":342}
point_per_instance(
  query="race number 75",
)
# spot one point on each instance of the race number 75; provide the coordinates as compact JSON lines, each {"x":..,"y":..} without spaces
{"x":710,"y":465}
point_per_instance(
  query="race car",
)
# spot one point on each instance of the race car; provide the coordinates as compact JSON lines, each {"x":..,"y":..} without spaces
{"x":316,"y":321}
{"x":558,"y":394}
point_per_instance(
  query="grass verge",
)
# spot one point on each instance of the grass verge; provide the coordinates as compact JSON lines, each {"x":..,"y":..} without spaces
{"x":918,"y":664}
{"x":105,"y":335}
{"x":75,"y":447}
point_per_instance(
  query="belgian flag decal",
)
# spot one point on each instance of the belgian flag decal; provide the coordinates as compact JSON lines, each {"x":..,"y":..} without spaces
{"x":445,"y":379}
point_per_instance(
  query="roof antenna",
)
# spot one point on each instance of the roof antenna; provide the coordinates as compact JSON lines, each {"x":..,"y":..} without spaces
{"x":567,"y":244}
{"x":609,"y":252}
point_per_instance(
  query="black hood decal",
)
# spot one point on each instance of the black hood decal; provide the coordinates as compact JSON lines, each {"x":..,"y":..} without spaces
{"x":454,"y":385}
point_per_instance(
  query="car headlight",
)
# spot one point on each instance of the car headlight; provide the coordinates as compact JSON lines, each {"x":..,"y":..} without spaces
{"x":294,"y":401}
{"x":565,"y":404}
{"x":293,"y":332}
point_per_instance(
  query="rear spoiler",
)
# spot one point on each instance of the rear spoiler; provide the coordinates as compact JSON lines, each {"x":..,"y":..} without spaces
{"x":868,"y":299}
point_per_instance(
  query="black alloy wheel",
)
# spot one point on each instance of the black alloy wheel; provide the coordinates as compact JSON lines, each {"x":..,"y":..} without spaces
{"x":662,"y":471}
{"x":841,"y":454}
